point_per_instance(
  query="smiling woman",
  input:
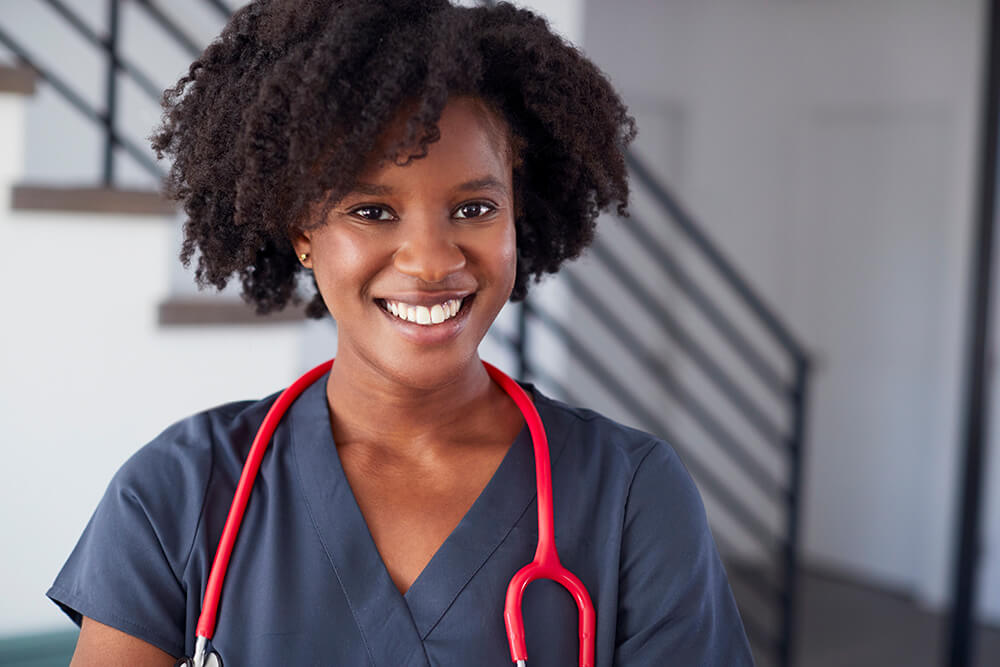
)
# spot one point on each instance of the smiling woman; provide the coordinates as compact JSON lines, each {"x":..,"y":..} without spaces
{"x":422,"y":162}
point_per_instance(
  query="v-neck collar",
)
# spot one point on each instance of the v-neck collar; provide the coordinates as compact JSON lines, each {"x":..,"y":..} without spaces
{"x":392,"y":625}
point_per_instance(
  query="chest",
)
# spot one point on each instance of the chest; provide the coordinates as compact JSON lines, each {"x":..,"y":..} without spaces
{"x":410,"y":510}
{"x":307,"y":584}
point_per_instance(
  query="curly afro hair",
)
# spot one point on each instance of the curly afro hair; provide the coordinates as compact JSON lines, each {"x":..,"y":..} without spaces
{"x":284,"y":108}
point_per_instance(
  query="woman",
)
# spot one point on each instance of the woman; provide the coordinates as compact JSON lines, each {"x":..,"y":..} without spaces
{"x":421,"y":162}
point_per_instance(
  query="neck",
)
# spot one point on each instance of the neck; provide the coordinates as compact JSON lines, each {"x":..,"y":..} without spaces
{"x":367,"y":407}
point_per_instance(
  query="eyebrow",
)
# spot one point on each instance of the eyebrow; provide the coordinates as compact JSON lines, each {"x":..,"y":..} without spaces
{"x":483,"y":183}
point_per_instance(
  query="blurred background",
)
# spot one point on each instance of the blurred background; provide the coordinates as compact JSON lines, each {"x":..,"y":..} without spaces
{"x":791,"y":304}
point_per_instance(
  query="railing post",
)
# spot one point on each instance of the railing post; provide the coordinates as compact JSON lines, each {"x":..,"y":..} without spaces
{"x":975,"y":428}
{"x":111,"y":92}
{"x":795,"y":450}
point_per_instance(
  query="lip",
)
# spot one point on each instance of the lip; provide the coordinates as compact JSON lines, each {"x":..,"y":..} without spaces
{"x":426,"y":334}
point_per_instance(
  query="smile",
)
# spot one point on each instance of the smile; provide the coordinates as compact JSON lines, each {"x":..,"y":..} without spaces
{"x":423,"y":315}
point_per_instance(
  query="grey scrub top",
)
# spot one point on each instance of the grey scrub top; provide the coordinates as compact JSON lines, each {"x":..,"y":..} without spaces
{"x":306,"y":584}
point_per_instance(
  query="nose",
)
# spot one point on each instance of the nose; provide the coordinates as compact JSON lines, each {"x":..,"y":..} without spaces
{"x":429,"y":252}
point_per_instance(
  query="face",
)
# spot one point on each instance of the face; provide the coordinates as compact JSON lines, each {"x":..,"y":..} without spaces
{"x":417,"y":261}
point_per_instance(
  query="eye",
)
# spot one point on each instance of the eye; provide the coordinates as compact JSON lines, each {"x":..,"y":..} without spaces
{"x":476,"y":209}
{"x":372,"y":213}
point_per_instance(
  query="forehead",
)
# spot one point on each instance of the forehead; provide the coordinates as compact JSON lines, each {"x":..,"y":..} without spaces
{"x":471,"y":135}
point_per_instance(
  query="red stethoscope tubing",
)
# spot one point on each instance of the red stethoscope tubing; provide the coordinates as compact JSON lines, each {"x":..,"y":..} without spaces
{"x":213,"y":589}
{"x":545,"y":565}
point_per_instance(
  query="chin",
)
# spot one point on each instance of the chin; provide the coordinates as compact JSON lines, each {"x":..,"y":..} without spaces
{"x":429,"y":369}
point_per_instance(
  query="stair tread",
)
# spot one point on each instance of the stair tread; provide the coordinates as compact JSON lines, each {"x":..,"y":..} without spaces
{"x":206,"y":311}
{"x":17,"y":79}
{"x":90,"y":199}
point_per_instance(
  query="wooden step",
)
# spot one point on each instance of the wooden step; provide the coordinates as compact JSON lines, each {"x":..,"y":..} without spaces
{"x":209,"y":311}
{"x":17,"y":80}
{"x":31,"y":197}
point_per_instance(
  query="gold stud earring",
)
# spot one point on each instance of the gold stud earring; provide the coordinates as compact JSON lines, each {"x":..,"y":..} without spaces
{"x":303,"y":257}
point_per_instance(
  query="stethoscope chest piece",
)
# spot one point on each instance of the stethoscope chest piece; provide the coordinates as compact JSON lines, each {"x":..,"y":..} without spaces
{"x":212,"y":659}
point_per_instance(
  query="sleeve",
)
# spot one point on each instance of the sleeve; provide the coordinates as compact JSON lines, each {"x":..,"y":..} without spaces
{"x":127,"y":569}
{"x":675,"y":604}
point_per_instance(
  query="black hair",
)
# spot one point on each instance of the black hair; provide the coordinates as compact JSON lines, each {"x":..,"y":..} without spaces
{"x":284,"y":108}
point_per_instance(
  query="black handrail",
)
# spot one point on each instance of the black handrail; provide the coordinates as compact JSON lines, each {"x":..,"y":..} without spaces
{"x":224,"y":11}
{"x":763,"y":478}
{"x":711,"y":251}
{"x":754,"y":414}
{"x":144,"y":82}
{"x":757,"y":529}
{"x":795,"y":444}
{"x":111,"y":93}
{"x":81,"y":105}
{"x":170,"y":26}
{"x":665,"y":259}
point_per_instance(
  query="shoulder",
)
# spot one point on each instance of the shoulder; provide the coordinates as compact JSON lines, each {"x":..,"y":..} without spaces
{"x":163,"y":486}
{"x":618,"y":448}
{"x":191,"y":447}
{"x":637,"y":472}
{"x":674,"y":602}
{"x":127,"y":570}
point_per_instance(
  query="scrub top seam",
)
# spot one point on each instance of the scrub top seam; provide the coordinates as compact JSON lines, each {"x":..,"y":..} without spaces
{"x":132,"y":498}
{"x":635,"y":472}
{"x":201,"y":512}
{"x":527,"y":506}
{"x":486,"y":560}
{"x":621,"y":533}
{"x":326,"y":550}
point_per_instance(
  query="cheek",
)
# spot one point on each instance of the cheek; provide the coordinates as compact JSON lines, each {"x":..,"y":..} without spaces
{"x":500,"y":251}
{"x":343,"y":263}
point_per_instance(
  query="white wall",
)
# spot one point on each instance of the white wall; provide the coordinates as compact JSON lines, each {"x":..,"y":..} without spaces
{"x":829,"y":148}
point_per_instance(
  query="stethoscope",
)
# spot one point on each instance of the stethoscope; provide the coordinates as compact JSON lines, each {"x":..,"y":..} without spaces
{"x":545,"y":565}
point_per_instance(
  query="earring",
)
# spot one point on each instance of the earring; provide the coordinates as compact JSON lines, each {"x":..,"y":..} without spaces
{"x":303,"y":257}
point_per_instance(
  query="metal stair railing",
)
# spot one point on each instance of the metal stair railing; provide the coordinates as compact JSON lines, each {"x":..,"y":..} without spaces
{"x":115,"y":63}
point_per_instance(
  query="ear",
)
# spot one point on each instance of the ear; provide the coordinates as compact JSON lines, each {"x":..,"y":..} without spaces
{"x":302,"y":242}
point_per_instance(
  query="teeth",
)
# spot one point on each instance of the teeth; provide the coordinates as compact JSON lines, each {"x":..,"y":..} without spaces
{"x":436,"y":314}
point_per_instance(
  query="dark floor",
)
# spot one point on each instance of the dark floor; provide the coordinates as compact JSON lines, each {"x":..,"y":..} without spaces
{"x":843,"y":623}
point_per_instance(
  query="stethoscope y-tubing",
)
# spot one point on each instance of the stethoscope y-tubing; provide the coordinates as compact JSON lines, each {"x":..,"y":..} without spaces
{"x":545,"y":564}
